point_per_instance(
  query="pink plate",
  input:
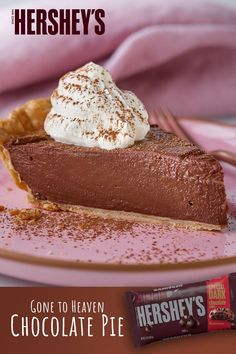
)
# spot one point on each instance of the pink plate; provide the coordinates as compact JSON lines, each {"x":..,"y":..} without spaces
{"x":72,"y":249}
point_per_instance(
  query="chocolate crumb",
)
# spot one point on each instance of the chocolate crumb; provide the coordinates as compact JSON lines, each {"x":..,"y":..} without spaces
{"x":61,"y":226}
{"x":30,"y":215}
{"x":51,"y":207}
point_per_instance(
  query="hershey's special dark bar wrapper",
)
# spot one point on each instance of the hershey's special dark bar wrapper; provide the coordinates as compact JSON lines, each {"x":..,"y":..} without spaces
{"x":183,"y":310}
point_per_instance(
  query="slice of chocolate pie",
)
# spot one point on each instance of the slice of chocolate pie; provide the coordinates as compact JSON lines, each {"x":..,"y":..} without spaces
{"x":116,"y":168}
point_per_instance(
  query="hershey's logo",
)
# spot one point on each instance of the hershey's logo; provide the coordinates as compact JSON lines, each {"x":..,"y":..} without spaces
{"x":167,"y":311}
{"x":58,"y":21}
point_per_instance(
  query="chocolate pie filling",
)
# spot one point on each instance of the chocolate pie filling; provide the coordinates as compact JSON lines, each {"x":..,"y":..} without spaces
{"x":161,"y":175}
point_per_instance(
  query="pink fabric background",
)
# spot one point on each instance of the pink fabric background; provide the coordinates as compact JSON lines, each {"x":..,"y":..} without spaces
{"x":179,"y":54}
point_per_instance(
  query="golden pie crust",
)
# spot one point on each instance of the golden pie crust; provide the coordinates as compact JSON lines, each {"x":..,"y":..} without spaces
{"x":29,"y":120}
{"x":25,"y":120}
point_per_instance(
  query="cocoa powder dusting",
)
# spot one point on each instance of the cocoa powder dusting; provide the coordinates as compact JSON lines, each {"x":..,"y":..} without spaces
{"x":113,"y":241}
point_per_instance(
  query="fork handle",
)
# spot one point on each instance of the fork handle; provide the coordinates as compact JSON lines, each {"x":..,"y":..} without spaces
{"x":225,"y":156}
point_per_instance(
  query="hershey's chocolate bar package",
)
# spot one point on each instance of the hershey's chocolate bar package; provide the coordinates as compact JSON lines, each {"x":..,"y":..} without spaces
{"x":183,"y":310}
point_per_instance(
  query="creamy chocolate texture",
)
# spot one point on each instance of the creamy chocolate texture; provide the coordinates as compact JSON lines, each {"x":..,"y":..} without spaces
{"x":161,"y":175}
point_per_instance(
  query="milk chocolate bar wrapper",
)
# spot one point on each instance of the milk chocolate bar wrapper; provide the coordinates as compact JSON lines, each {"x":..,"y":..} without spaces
{"x":183,"y":310}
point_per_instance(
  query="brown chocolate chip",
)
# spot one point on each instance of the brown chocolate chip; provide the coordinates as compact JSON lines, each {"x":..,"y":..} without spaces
{"x":148,"y":328}
{"x":183,"y":321}
{"x":222,"y":314}
{"x":192,"y":323}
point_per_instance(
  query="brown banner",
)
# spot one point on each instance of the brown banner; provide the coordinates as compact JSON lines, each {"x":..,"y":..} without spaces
{"x":84,"y":320}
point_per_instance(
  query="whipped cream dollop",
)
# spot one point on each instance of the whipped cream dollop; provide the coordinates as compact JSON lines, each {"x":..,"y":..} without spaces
{"x":89,"y":110}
